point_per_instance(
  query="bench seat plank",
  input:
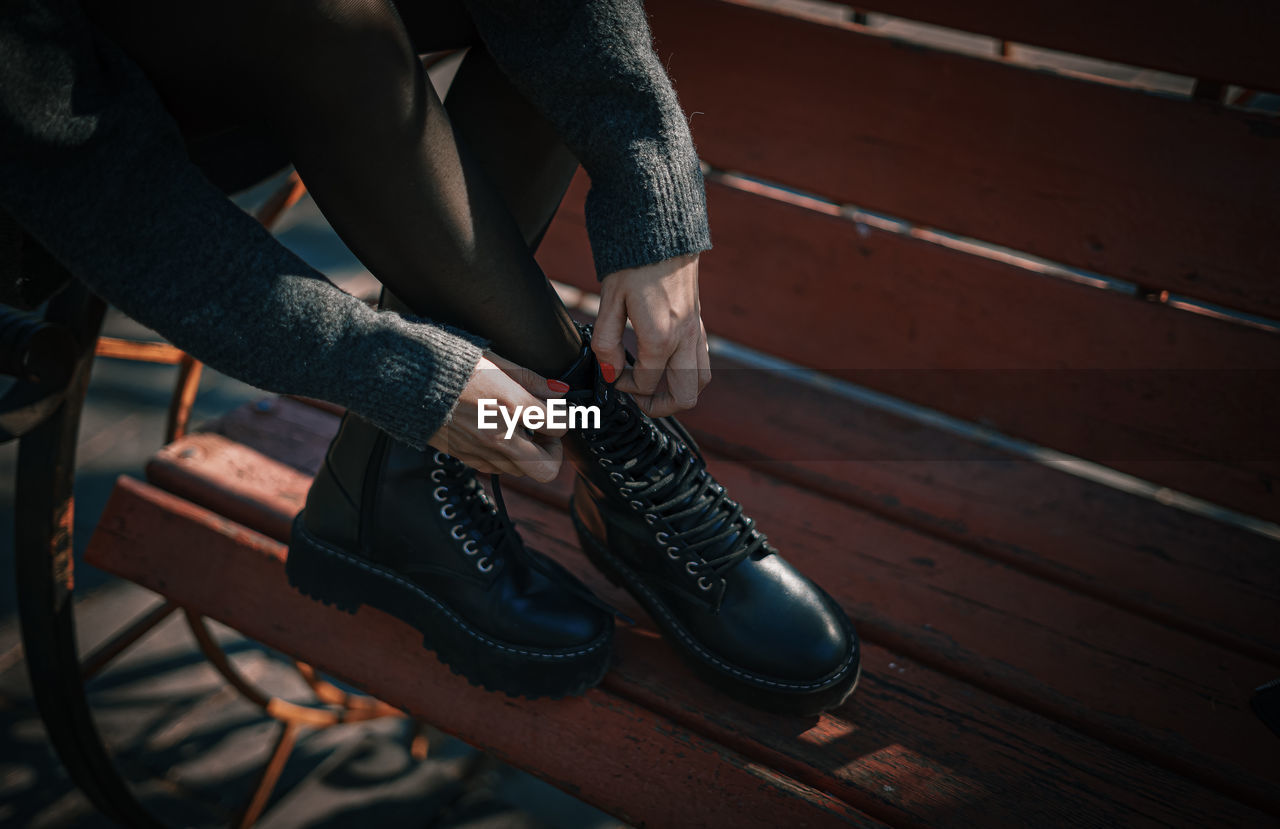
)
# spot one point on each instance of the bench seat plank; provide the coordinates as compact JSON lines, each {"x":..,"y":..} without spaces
{"x":205,"y":476}
{"x":1179,"y":398}
{"x":1069,"y":656}
{"x":1233,"y":41}
{"x":1172,"y":194}
{"x":1189,"y":572}
{"x":611,"y":752}
{"x":1164,"y":695}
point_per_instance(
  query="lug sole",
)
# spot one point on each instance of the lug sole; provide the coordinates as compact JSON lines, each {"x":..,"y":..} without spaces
{"x":760,"y":691}
{"x":333,"y":577}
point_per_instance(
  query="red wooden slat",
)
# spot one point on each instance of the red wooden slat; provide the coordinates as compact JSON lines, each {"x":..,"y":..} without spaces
{"x":1193,"y":573}
{"x":944,"y":604}
{"x":1230,"y":41}
{"x":1184,"y":571}
{"x":913,"y":747}
{"x":1050,"y":649}
{"x":1117,"y":677}
{"x":1179,"y":398}
{"x":1170,"y":194}
{"x":606,"y":750}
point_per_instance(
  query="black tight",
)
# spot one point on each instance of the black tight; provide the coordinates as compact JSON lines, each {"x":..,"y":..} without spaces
{"x":442,"y":202}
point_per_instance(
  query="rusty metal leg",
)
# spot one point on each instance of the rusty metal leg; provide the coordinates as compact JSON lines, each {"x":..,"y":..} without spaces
{"x":270,"y":774}
{"x":43,"y":530}
{"x":419,"y":740}
{"x":281,"y":200}
{"x":118,"y":644}
{"x":184,"y":397}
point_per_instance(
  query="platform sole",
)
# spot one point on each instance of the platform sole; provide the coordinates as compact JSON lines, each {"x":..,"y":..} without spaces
{"x":334,"y":577}
{"x":768,"y":693}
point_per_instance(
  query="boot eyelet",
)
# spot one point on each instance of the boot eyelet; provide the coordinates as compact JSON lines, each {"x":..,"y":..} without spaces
{"x":649,"y":518}
{"x":691,"y":568}
{"x":458,"y":532}
{"x":441,"y":493}
{"x":637,"y":505}
{"x":469,"y":547}
{"x":449,"y":511}
{"x":437,"y":475}
{"x":704,"y":583}
{"x":616,"y":477}
{"x":484,"y":565}
{"x":661,"y":537}
{"x":439,"y":457}
{"x":674,"y":554}
{"x":605,"y":462}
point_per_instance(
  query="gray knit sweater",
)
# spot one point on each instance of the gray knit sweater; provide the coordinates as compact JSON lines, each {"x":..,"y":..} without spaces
{"x":93,"y":167}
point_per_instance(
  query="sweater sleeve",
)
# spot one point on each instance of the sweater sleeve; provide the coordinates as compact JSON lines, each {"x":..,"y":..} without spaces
{"x":92,"y":166}
{"x":590,"y":68}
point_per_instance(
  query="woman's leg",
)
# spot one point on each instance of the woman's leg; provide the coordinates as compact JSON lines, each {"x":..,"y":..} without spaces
{"x":409,"y":532}
{"x":442,"y":210}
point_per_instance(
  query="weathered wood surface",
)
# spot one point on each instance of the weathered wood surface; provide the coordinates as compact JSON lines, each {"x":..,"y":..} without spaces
{"x":914,"y":747}
{"x":608,"y":751}
{"x":1068,"y":657}
{"x":1186,"y":572}
{"x":1170,"y":194}
{"x":1182,"y":399}
{"x":1228,"y":41}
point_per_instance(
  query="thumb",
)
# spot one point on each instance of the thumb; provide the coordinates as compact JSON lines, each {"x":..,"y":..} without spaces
{"x":606,"y":341}
{"x":530,"y":380}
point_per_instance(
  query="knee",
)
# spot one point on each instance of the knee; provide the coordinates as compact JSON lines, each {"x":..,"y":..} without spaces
{"x":355,"y":59}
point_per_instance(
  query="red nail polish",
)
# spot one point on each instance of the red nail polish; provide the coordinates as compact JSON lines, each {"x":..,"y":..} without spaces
{"x":608,"y":371}
{"x":557,"y":385}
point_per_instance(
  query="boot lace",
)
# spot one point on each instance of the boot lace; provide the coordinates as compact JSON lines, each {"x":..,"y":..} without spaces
{"x":493,"y":526}
{"x":665,"y":477}
{"x":479,"y":524}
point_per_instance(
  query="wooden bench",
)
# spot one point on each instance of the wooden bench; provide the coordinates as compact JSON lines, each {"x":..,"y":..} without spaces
{"x":1060,"y":271}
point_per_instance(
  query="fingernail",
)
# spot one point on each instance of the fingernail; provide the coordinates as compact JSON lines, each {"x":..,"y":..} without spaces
{"x":608,"y":371}
{"x":558,"y":385}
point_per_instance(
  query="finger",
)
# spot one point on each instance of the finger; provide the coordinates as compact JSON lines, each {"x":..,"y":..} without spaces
{"x":535,"y":415}
{"x":704,"y":358}
{"x":541,"y":464}
{"x":658,"y":404}
{"x":530,"y":380}
{"x":663,"y":404}
{"x":502,"y":463}
{"x":606,"y":341}
{"x":651,"y":363}
{"x":539,"y":417}
{"x":480,"y":465}
{"x":546,"y":468}
{"x":682,"y":375}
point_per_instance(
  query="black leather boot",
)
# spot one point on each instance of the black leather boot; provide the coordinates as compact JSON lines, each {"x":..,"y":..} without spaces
{"x":652,"y":518}
{"x":413,"y":534}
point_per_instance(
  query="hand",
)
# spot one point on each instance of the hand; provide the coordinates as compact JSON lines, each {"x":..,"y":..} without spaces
{"x":672,"y":364}
{"x":534,"y":453}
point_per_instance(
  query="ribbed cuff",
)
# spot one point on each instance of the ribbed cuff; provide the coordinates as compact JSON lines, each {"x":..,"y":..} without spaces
{"x":659,"y":214}
{"x":413,"y":377}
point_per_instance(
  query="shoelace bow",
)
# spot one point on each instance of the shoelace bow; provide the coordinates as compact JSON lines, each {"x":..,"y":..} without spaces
{"x":707,"y":524}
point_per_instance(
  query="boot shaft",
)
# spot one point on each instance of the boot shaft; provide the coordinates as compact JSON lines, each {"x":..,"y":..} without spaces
{"x":338,"y":497}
